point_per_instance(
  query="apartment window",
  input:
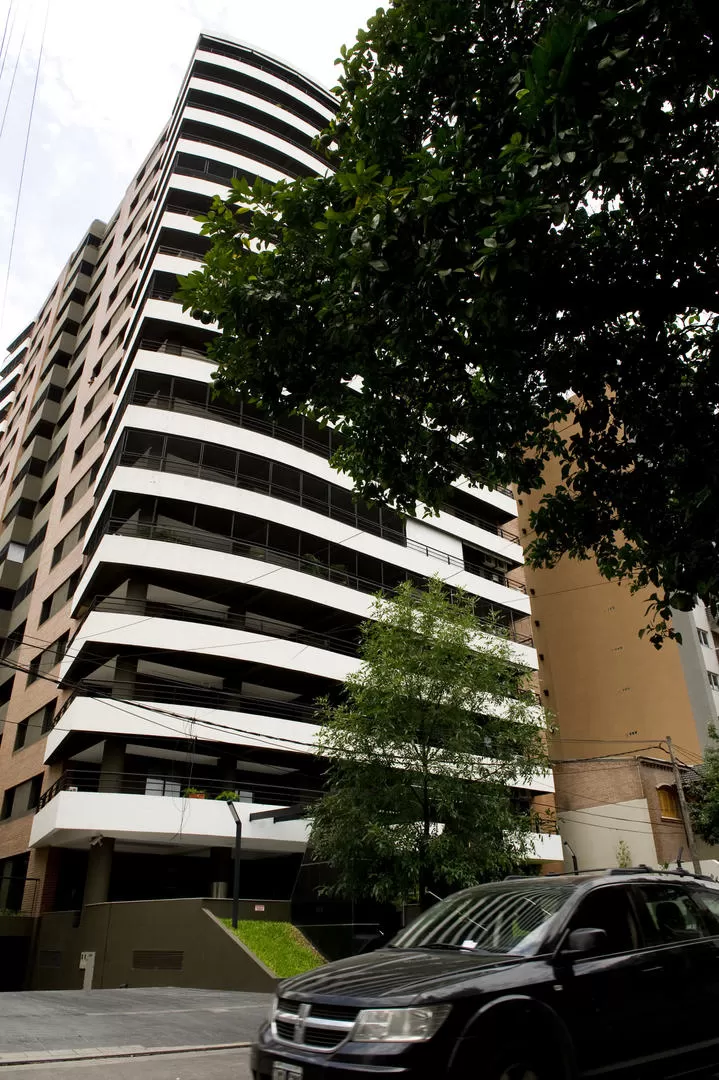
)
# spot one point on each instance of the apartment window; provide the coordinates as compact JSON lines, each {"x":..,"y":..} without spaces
{"x":703,"y":637}
{"x":35,"y":792}
{"x":34,"y":726}
{"x":46,"y":660}
{"x":84,"y":484}
{"x":56,"y":454}
{"x":47,"y":495}
{"x":713,"y":680}
{"x":20,"y":736}
{"x":71,"y":539}
{"x":21,"y":798}
{"x":36,"y":540}
{"x":57,"y":599}
{"x":668,"y":801}
{"x":24,"y":590}
{"x":33,"y":670}
{"x":8,"y":803}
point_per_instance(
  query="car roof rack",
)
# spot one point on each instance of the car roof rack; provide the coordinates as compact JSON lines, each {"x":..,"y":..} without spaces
{"x":641,"y":868}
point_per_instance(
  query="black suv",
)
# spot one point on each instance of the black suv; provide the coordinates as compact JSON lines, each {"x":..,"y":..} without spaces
{"x":604,"y":973}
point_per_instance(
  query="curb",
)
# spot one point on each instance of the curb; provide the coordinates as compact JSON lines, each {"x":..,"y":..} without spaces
{"x":52,"y":1057}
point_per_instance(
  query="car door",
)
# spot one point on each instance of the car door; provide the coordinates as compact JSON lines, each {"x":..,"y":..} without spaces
{"x":607,"y":997}
{"x":680,"y":939}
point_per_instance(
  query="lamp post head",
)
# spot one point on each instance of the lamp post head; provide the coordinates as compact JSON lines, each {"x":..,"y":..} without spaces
{"x":235,"y":815}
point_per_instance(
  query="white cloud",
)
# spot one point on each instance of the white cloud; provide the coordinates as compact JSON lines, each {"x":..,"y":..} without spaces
{"x":110,"y":74}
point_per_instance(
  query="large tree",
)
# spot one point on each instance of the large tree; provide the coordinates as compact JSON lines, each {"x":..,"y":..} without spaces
{"x":514,"y":257}
{"x":428,"y":753}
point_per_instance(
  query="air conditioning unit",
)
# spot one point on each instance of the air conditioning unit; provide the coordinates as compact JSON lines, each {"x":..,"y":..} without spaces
{"x":72,"y":787}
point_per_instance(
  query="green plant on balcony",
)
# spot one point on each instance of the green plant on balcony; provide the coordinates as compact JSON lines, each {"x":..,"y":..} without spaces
{"x":193,"y":793}
{"x":227,"y":796}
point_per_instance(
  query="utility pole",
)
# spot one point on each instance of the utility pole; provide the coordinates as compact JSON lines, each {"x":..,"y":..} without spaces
{"x":684,"y":809}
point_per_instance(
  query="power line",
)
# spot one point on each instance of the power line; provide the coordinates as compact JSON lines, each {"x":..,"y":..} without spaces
{"x":3,"y":54}
{"x":12,"y":81}
{"x":24,"y":161}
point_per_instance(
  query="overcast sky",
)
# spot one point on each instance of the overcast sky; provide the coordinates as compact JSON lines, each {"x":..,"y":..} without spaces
{"x":109,"y":75}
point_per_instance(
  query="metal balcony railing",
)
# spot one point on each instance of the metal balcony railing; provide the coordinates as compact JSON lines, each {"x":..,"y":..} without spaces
{"x":175,"y":785}
{"x":161,"y":463}
{"x":192,"y":613}
{"x":194,"y":537}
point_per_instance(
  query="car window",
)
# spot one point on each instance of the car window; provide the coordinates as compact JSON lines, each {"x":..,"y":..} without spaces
{"x":673,"y":914}
{"x":609,"y":909}
{"x":512,"y":918}
{"x":709,"y":898}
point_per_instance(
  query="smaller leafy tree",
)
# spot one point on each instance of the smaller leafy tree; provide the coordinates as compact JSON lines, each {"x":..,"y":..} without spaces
{"x":703,"y":794}
{"x":435,"y":735}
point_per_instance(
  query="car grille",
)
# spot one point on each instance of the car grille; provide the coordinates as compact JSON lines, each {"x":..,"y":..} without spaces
{"x":321,"y":1027}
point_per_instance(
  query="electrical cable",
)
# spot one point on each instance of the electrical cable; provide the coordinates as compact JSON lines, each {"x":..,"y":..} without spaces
{"x":12,"y":81}
{"x":3,"y":50}
{"x":24,"y":162}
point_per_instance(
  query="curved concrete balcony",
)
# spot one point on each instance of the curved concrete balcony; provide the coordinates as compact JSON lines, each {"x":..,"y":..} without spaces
{"x":73,"y":818}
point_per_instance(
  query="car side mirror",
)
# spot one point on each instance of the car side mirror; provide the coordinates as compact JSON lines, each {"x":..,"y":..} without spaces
{"x":585,"y":941}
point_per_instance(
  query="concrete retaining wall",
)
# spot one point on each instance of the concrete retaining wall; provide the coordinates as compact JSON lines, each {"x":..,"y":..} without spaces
{"x":151,"y":943}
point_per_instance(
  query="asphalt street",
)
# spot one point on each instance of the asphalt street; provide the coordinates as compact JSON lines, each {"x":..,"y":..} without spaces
{"x":46,"y":1023}
{"x":208,"y":1065}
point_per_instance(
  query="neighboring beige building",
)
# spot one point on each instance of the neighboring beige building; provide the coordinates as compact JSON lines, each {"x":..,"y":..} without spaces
{"x":615,"y":698}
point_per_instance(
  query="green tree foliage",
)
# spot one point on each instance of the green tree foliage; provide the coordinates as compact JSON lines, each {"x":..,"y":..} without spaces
{"x":523,"y":207}
{"x":434,"y":729}
{"x":703,"y":794}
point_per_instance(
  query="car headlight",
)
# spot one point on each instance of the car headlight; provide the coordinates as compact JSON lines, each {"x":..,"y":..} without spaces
{"x":399,"y":1025}
{"x":273,"y":1008}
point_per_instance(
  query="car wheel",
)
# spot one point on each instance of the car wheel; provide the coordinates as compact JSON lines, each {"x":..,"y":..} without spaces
{"x":520,"y":1071}
{"x":518,"y":1066}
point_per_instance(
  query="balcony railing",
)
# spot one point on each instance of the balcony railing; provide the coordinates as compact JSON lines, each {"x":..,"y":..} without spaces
{"x":194,"y":537}
{"x":166,"y":346}
{"x":192,"y":613}
{"x":173,"y":403}
{"x":157,"y":785}
{"x":161,"y":463}
{"x":191,"y":695}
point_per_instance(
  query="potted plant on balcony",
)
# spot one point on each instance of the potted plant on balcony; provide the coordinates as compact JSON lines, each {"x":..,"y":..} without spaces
{"x":193,"y":793}
{"x":228,"y":796}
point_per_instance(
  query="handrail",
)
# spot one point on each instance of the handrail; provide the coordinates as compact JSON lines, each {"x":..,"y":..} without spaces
{"x":183,"y":253}
{"x":163,"y":691}
{"x":167,"y":346}
{"x":159,"y":463}
{"x":172,"y":786}
{"x":174,"y":403}
{"x":119,"y":605}
{"x":182,"y":534}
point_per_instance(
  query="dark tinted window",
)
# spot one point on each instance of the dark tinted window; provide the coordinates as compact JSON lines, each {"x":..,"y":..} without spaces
{"x":609,"y":909}
{"x":673,"y":914}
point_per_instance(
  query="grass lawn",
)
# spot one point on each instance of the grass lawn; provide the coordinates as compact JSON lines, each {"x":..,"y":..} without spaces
{"x":279,"y":945}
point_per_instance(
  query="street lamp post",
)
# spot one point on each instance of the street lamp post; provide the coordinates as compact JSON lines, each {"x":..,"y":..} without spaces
{"x":236,"y":878}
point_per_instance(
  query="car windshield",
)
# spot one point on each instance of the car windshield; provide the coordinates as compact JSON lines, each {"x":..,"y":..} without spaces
{"x":510,"y":920}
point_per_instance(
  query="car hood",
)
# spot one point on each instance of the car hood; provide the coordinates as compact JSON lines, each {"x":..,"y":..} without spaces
{"x":402,"y":975}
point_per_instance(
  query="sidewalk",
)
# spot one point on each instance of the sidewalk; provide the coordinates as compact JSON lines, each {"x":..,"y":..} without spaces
{"x":62,"y":1025}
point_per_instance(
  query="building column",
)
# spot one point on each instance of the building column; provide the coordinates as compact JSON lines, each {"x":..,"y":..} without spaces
{"x":113,"y":764}
{"x":99,"y":868}
{"x":220,"y":872}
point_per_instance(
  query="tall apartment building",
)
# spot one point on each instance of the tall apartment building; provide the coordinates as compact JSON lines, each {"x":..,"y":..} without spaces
{"x":180,"y":580}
